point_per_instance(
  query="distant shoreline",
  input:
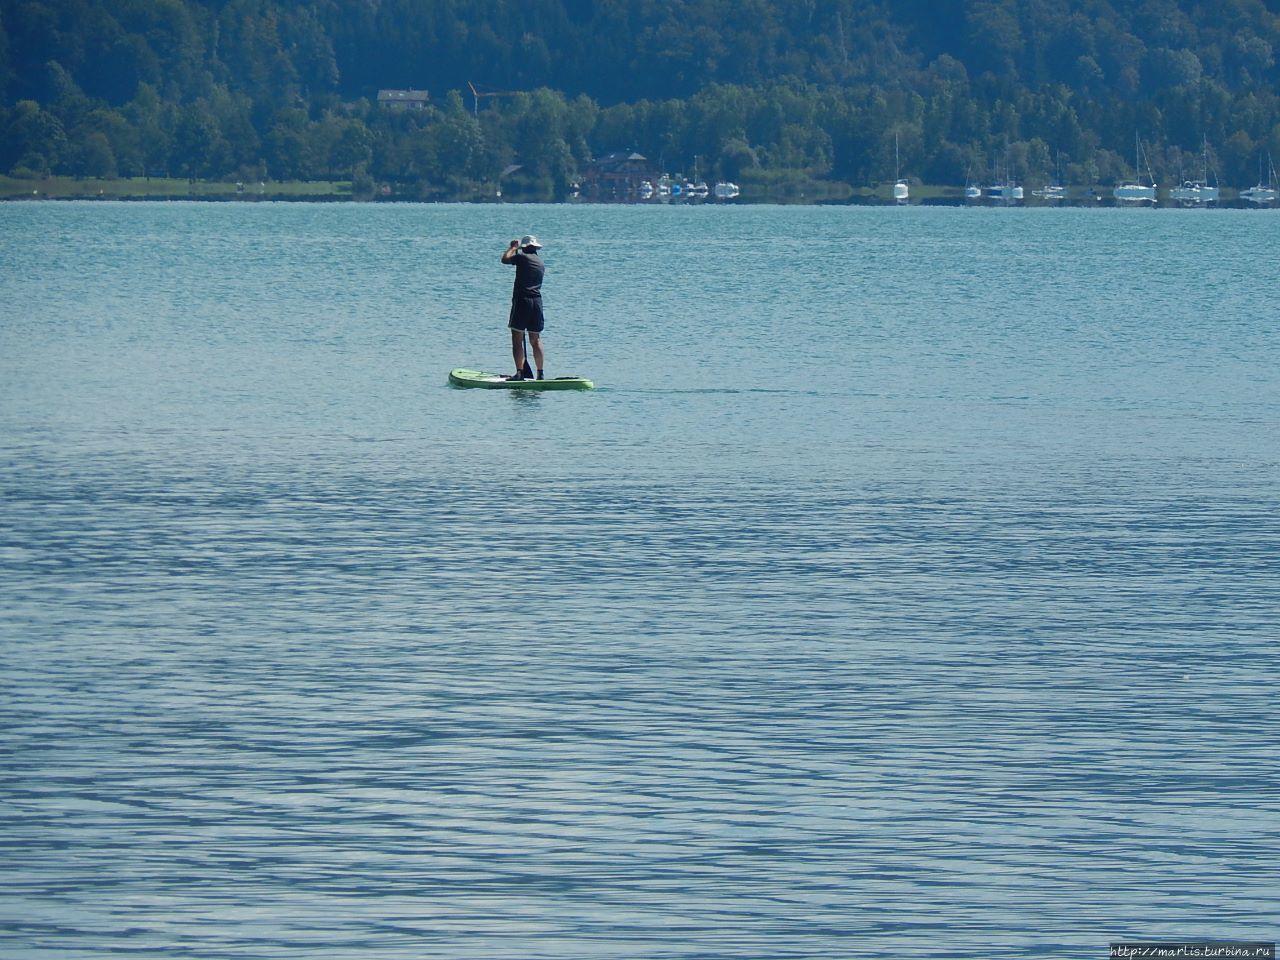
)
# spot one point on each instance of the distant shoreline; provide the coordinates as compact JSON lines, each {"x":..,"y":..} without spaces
{"x":330,"y":191}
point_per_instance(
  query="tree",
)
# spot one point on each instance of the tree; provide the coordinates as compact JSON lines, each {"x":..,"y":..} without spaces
{"x":35,"y":142}
{"x":152,"y":122}
{"x":735,"y":158}
{"x":995,"y":37}
{"x":91,"y":154}
{"x":289,"y":147}
{"x":353,"y":148}
{"x":6,"y":63}
{"x":459,"y":143}
{"x":756,"y":87}
{"x":198,"y":146}
{"x":122,"y":154}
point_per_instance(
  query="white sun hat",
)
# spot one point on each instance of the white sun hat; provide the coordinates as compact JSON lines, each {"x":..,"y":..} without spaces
{"x":529,"y":240}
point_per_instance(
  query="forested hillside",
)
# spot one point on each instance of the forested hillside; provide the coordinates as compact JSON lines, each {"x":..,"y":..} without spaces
{"x":771,"y":92}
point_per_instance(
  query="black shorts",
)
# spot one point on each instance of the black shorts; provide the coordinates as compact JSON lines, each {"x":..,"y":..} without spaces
{"x":526,"y":314}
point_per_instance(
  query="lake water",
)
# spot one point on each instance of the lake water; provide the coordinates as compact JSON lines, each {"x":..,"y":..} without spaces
{"x":909,"y":586}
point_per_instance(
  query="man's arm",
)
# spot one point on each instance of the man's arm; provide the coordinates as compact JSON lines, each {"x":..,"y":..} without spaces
{"x":509,"y":254}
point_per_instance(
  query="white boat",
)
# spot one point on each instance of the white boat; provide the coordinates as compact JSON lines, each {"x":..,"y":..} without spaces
{"x":1136,"y":192}
{"x":901,"y":189}
{"x":1005,"y":191}
{"x":697,"y":191}
{"x":1194,"y":193}
{"x":1261,"y":194}
{"x":646,"y":190}
{"x":725,"y":190}
{"x":972,"y":192}
{"x":1054,"y":189}
{"x":1264,"y":192}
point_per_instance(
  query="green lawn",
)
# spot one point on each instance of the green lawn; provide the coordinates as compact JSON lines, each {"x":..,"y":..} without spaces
{"x":166,"y":188}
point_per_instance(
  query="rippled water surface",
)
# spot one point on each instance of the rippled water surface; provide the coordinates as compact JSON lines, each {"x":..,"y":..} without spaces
{"x":909,"y":586}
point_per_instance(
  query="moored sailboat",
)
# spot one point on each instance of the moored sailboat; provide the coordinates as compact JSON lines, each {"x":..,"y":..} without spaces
{"x":1054,"y":189}
{"x":1137,"y":192}
{"x":901,"y":189}
{"x":1264,"y":192}
{"x":1194,"y":193}
{"x":1005,"y":189}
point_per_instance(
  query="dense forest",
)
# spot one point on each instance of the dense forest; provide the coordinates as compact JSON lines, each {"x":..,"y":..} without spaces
{"x":806,"y":94}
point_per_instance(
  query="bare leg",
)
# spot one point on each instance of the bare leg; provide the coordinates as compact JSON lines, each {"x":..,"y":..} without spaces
{"x":535,"y":341}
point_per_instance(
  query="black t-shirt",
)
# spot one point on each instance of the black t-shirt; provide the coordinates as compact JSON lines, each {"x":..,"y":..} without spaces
{"x":529,"y":271}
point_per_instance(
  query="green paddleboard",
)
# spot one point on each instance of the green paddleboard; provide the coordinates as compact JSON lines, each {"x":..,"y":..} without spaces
{"x":496,"y":381}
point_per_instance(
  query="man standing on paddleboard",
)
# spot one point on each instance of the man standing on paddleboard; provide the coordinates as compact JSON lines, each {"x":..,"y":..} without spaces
{"x":526,"y":304}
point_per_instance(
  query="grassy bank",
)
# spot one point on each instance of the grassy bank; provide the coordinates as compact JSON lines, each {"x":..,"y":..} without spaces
{"x":170,"y":188}
{"x":778,"y":188}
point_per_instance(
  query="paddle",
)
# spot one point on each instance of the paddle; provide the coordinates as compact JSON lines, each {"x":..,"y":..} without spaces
{"x":527,"y":372}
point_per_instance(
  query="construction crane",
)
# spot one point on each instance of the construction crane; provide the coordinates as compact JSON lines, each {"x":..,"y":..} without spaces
{"x":477,"y":93}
